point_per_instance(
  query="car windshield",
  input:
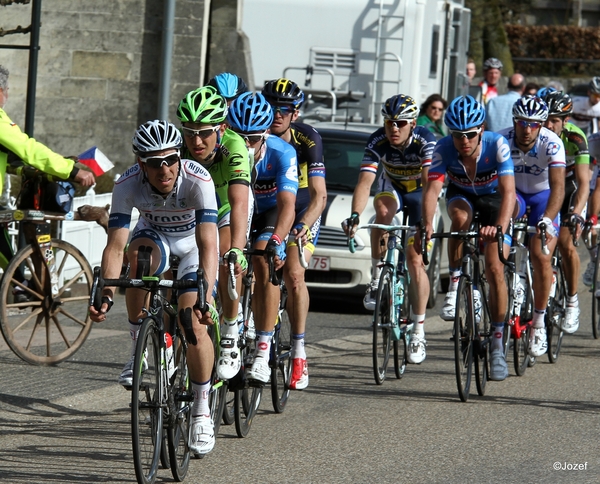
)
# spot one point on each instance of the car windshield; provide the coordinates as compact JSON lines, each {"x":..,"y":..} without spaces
{"x":342,"y":162}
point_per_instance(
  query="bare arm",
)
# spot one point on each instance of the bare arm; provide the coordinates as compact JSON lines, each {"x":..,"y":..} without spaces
{"x":206,"y":240}
{"x":238,"y":199}
{"x":556,"y":179}
{"x":285,"y":214}
{"x":506,"y":187}
{"x":318,"y":199}
{"x":362,"y":191}
{"x":582,"y":177}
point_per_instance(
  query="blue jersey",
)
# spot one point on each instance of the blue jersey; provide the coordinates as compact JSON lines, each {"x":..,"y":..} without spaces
{"x":494,"y":161}
{"x":276,"y":171}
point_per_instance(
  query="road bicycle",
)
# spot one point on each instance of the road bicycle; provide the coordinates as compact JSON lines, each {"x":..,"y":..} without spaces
{"x":472,"y":323}
{"x":391,"y":324}
{"x":161,"y":395}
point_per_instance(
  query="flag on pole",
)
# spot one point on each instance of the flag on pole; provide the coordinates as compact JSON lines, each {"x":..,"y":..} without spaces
{"x":96,"y":160}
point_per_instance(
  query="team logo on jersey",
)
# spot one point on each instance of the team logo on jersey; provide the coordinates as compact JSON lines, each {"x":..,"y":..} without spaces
{"x":182,"y":203}
{"x":530,"y":170}
{"x":552,"y":148}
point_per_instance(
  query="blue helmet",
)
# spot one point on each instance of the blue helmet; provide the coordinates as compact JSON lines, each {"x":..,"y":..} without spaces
{"x":464,"y":113}
{"x":544,"y":91}
{"x":228,"y":85}
{"x":250,"y":112}
{"x":531,"y":108}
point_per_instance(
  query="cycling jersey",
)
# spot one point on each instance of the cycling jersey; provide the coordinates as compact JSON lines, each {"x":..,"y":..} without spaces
{"x":230,"y":165}
{"x":584,"y":113}
{"x":494,"y":161}
{"x":531,"y":168}
{"x":403,"y":167}
{"x":576,"y":148}
{"x":274,"y":172}
{"x":17,"y":146}
{"x":309,"y":151}
{"x":191,"y":202}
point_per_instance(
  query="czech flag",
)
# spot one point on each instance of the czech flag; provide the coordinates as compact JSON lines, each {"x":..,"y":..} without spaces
{"x":96,"y":160}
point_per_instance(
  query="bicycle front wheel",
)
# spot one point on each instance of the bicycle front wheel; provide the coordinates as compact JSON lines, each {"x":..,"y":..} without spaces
{"x":382,"y":325}
{"x":146,"y":399}
{"x":178,"y":429}
{"x":247,"y":398}
{"x":46,"y":326}
{"x":463,"y":339}
{"x":281,"y":363}
{"x":555,"y":316}
{"x":481,"y":348}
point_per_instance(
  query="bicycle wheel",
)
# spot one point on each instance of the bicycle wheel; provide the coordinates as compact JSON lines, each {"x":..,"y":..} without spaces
{"x":400,"y":357}
{"x":521,"y":352}
{"x":434,"y":272}
{"x":47,"y":329}
{"x":596,"y":300}
{"x":246,"y":399}
{"x":482,"y":345}
{"x":463,"y":339}
{"x":382,"y":333}
{"x":555,"y":316}
{"x":146,"y":404}
{"x":178,"y":425}
{"x":281,"y":363}
{"x":228,"y":407}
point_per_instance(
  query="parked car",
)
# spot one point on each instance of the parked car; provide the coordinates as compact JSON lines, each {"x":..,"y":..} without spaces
{"x":333,"y":270}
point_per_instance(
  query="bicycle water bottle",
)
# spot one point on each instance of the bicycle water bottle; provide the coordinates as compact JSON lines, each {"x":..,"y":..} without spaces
{"x":169,"y":355}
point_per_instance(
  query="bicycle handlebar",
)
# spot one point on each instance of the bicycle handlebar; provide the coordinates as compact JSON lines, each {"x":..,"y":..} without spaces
{"x":542,"y":227}
{"x":270,"y":253}
{"x":303,"y":262}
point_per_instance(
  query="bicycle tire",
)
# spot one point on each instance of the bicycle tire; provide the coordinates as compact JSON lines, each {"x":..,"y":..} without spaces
{"x":463,"y":339}
{"x":218,"y":388}
{"x":481,"y":349}
{"x":246,"y":399}
{"x":555,"y":316}
{"x":179,"y":423}
{"x":434,"y":272}
{"x":596,"y":300}
{"x":146,"y":405}
{"x":281,"y":363}
{"x":382,"y":321}
{"x":400,"y":357}
{"x":63,"y":321}
{"x":521,"y":353}
{"x":228,"y":415}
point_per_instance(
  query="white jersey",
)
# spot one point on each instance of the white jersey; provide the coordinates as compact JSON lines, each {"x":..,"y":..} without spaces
{"x":192,"y":201}
{"x":532,"y":168}
{"x":585,"y":114}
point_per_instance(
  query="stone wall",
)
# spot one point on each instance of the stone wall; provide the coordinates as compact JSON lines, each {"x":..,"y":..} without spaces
{"x":98,"y":69}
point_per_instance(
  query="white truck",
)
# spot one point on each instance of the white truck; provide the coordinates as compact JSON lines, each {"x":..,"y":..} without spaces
{"x":351,"y":55}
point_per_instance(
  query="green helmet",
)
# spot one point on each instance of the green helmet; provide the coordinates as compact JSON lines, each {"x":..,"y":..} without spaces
{"x":203,"y":105}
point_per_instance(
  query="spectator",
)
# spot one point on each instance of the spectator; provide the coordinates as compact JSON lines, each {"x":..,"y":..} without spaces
{"x":431,"y":118}
{"x":499,"y":109}
{"x":586,"y":109}
{"x":471,"y":70}
{"x":531,"y":89}
{"x":492,"y":70}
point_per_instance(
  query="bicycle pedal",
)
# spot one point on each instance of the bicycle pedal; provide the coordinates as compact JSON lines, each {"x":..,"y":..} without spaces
{"x":256,"y":383}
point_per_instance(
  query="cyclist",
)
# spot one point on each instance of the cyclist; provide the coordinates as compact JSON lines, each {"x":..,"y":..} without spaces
{"x":480,"y":179}
{"x":492,"y":70}
{"x":275,"y":183}
{"x":593,"y":207}
{"x":285,"y":97}
{"x":178,"y":215}
{"x":404,"y":149}
{"x":16,"y":147}
{"x":538,"y":156}
{"x":224,"y":154}
{"x":228,"y":85}
{"x":573,"y":210}
{"x":586,"y":109}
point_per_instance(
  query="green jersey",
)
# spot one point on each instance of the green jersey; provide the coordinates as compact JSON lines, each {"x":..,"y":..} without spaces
{"x":576,"y":148}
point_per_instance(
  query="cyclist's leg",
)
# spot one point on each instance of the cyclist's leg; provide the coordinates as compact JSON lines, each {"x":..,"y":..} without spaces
{"x":571,"y":262}
{"x":298,"y":301}
{"x":542,"y":273}
{"x":229,"y":355}
{"x":200,"y":357}
{"x":460,"y":211}
{"x":419,"y":281}
{"x":386,"y":205}
{"x":136,"y":298}
{"x":265,"y":300}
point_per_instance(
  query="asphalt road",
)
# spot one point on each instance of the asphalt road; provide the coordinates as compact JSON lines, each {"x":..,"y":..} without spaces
{"x":71,"y":424}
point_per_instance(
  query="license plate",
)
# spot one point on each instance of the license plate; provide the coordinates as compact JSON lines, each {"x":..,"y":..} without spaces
{"x":319,"y":263}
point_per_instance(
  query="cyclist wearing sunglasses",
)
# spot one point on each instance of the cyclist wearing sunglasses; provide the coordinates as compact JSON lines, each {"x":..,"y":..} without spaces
{"x":275,"y":184}
{"x":224,"y":154}
{"x":178,"y":215}
{"x":538,"y":156}
{"x":560,"y":106}
{"x":285,"y":97}
{"x":480,"y":176}
{"x":404,"y":150}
